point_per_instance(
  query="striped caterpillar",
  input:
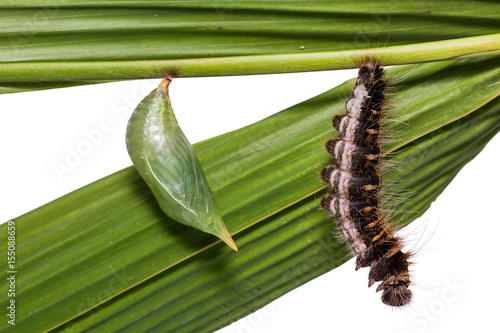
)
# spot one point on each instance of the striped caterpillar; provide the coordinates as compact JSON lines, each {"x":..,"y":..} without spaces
{"x":355,"y":182}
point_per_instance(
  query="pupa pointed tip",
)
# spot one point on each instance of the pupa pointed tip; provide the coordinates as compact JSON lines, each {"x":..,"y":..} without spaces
{"x":226,"y":238}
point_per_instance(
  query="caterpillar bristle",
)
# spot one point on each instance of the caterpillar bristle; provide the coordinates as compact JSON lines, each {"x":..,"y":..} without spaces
{"x":326,"y":201}
{"x":355,"y":182}
{"x":336,"y":121}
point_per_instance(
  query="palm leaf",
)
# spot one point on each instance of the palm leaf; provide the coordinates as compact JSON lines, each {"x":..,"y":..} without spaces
{"x":105,"y":258}
{"x":45,"y":44}
{"x":108,"y":247}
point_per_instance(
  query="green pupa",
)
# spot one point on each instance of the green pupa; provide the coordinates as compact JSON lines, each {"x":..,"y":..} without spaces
{"x":167,"y":162}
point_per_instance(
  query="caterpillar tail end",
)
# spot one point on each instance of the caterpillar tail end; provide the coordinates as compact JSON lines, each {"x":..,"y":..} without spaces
{"x":225,"y":236}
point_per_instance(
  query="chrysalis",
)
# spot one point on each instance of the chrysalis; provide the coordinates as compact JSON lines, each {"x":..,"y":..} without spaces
{"x":168,"y":164}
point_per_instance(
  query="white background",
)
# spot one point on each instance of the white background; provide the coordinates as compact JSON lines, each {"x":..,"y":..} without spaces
{"x":457,"y":267}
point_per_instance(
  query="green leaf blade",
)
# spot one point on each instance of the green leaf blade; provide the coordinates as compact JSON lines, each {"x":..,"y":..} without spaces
{"x":58,"y":42}
{"x":109,"y":244}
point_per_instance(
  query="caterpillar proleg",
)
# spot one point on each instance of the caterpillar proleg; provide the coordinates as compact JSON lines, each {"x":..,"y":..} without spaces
{"x":167,"y":162}
{"x":355,"y":183}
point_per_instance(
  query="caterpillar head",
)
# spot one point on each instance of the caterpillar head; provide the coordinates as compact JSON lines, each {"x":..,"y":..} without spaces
{"x":395,"y":291}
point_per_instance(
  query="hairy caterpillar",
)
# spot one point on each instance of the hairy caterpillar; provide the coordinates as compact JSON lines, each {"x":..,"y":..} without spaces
{"x":168,"y":164}
{"x":355,"y":181}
